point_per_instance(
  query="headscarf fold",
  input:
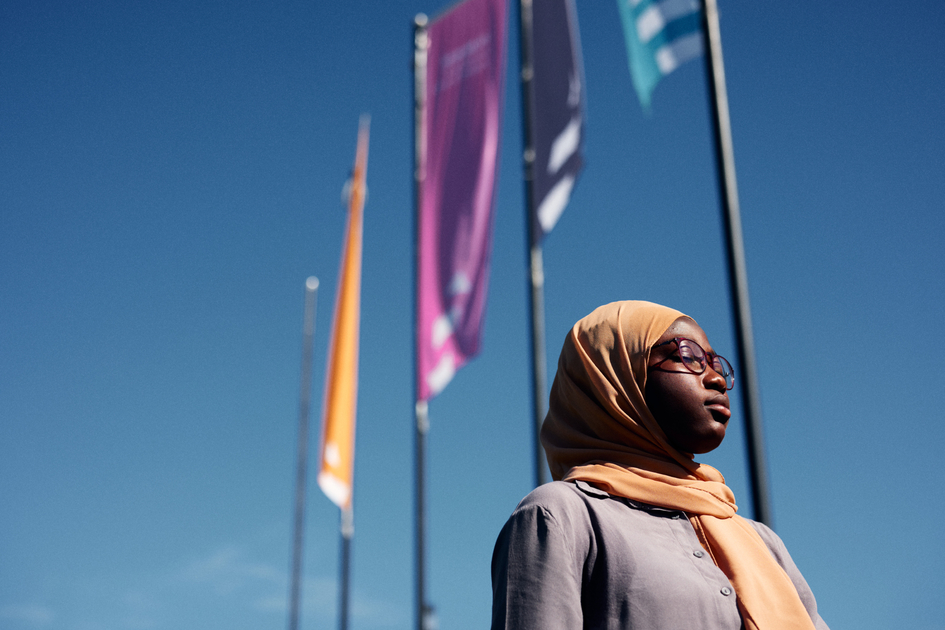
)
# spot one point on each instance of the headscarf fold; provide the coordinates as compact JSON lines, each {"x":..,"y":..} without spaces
{"x":600,"y":430}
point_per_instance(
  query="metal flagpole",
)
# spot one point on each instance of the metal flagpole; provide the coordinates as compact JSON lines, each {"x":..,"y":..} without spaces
{"x":536,"y":273}
{"x":738,"y":273}
{"x":347,"y":533}
{"x":539,"y":378}
{"x":424,"y":612}
{"x":308,"y":333}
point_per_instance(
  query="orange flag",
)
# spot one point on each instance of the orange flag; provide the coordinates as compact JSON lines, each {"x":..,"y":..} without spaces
{"x":336,"y":473}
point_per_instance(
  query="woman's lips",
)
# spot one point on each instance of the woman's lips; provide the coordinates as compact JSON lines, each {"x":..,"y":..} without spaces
{"x":719,"y":407}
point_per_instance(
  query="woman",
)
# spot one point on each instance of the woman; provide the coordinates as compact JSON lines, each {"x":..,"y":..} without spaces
{"x":634,"y":533}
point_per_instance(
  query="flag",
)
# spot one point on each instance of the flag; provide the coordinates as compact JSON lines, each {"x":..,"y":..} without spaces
{"x":458,"y":160}
{"x":336,"y":472}
{"x":557,"y":110}
{"x":660,"y":36}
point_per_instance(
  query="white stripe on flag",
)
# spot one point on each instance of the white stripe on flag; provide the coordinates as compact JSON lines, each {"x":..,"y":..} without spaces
{"x":441,"y":374}
{"x":670,"y":56}
{"x":554,"y":203}
{"x":442,"y":329}
{"x":565,"y":145}
{"x":654,"y":18}
{"x":335,"y":489}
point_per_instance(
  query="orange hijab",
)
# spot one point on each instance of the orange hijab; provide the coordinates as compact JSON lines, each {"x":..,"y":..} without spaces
{"x":599,"y":429}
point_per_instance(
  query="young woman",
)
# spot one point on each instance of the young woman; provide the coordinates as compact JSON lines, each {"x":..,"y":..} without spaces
{"x":634,"y":533}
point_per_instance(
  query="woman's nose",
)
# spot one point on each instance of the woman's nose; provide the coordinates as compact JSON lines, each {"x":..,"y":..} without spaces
{"x":713,"y":379}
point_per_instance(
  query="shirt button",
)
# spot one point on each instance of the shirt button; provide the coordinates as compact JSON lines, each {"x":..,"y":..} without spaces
{"x":698,"y":553}
{"x":726,"y":591}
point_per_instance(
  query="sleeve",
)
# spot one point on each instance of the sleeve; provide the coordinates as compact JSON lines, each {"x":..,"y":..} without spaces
{"x":536,"y":573}
{"x":780,"y":553}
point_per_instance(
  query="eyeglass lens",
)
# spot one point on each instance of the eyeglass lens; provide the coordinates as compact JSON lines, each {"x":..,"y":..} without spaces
{"x":694,"y":358}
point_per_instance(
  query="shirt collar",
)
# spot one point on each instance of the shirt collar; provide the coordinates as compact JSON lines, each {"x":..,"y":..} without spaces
{"x":593,"y":491}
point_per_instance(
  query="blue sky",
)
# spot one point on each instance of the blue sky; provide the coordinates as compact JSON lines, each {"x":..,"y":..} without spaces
{"x":171,"y":173}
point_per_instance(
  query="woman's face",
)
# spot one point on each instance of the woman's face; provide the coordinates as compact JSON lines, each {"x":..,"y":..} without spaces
{"x":692,"y":409}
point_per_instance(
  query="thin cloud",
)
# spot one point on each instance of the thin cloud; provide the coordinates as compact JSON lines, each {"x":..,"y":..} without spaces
{"x":319,"y":597}
{"x":378,"y":613}
{"x":33,"y":614}
{"x":227,"y":571}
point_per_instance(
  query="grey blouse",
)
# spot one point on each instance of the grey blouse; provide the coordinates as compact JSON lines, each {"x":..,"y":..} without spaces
{"x":572,"y":556}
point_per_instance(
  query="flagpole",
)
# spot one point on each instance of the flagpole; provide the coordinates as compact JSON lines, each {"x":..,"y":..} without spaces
{"x":308,"y":334}
{"x":423,"y":610}
{"x":347,"y":533}
{"x":422,"y":424}
{"x":536,"y":273}
{"x":738,"y":273}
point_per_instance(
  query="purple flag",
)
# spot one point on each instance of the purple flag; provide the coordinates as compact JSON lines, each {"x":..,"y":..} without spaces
{"x":557,"y":112}
{"x":458,"y":161}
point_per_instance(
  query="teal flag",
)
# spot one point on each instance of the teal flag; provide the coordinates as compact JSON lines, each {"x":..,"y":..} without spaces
{"x":660,"y":37}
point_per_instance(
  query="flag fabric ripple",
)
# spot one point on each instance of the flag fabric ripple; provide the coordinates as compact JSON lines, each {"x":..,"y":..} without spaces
{"x":459,"y":151}
{"x":557,"y":110}
{"x":660,"y":36}
{"x":336,"y":472}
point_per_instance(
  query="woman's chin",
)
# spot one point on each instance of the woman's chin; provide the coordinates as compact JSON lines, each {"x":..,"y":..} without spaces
{"x":707,"y":442}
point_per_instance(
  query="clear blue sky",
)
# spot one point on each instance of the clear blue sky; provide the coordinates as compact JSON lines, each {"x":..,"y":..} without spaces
{"x":170,"y":173}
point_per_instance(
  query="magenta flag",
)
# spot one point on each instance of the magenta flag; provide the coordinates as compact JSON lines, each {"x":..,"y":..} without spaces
{"x":458,"y":163}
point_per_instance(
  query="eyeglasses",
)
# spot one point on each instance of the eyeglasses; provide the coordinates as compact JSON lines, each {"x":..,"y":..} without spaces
{"x":696,"y":359}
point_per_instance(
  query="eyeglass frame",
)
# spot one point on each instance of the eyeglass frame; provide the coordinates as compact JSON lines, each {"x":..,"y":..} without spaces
{"x":708,"y":356}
